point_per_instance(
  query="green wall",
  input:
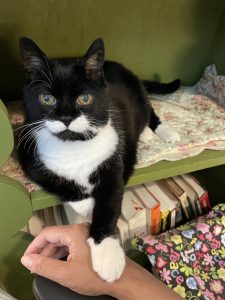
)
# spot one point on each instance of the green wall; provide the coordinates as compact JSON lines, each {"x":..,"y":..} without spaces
{"x":218,"y":48}
{"x":157,"y":39}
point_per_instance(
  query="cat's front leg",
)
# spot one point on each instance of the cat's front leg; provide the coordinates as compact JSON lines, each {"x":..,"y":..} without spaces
{"x":108,"y":258}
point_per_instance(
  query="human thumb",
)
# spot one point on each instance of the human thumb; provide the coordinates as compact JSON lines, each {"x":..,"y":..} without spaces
{"x":50,"y":268}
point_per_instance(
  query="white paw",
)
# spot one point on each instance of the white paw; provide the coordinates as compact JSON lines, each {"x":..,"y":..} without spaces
{"x":83,"y":207}
{"x":167,"y":133}
{"x":146,"y":135}
{"x":108,"y":258}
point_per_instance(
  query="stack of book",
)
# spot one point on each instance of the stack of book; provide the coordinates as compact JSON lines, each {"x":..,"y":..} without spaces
{"x":41,"y":218}
{"x":160,"y":205}
{"x":149,"y":208}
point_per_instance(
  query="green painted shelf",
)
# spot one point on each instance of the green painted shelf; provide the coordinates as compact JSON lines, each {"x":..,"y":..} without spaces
{"x":163,"y":169}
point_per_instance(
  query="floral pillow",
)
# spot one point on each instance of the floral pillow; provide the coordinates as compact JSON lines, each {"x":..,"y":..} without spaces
{"x":191,"y":258}
{"x":212,"y":85}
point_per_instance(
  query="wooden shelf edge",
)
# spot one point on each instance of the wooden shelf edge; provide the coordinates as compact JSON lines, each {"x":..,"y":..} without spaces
{"x":41,"y":199}
{"x":164,"y":169}
{"x":207,"y":159}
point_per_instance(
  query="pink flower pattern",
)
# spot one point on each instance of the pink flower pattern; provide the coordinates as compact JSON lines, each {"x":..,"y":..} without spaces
{"x":198,"y":119}
{"x":198,"y":269}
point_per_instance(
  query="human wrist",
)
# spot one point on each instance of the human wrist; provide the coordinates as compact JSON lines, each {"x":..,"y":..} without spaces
{"x":127,"y":287}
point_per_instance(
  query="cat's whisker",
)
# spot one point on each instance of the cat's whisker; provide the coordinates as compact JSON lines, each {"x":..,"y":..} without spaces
{"x":39,"y":85}
{"x":26,"y":135}
{"x":36,"y":140}
{"x":28,"y":125}
{"x":50,"y":73}
{"x":31,"y":124}
{"x":32,"y":136}
{"x":35,"y":67}
{"x":21,"y":133}
{"x":23,"y":137}
{"x":39,"y":80}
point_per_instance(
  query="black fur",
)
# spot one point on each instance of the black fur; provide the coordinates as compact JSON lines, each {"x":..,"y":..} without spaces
{"x":118,"y":94}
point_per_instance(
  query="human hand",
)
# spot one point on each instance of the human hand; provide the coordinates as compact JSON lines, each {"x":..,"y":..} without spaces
{"x":43,"y":254}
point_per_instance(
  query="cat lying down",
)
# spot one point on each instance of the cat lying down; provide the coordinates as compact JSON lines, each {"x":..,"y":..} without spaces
{"x":84,"y":117}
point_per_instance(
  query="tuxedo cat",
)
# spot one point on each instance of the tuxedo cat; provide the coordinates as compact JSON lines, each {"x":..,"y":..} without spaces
{"x":84,"y":118}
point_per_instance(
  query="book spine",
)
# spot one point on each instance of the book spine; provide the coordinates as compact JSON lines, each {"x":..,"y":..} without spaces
{"x":138,"y":225}
{"x":123,"y":231}
{"x":194,"y":207}
{"x":173,"y":218}
{"x":164,"y":219}
{"x":156,"y":220}
{"x":155,"y":226}
{"x":141,"y":197}
{"x":204,"y":202}
{"x":185,"y":206}
{"x":199,"y":207}
{"x":179,"y":216}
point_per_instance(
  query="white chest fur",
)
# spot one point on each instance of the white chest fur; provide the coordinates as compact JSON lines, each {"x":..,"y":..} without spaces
{"x":76,"y":160}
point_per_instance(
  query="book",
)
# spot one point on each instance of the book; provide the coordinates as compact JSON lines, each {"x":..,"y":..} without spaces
{"x":191,"y":195}
{"x":171,"y":198}
{"x":180,"y":194}
{"x":123,"y":232}
{"x":40,"y":219}
{"x":153,"y":206}
{"x":35,"y":224}
{"x":70,"y":216}
{"x":134,"y":212}
{"x":201,"y":192}
{"x":167,"y":208}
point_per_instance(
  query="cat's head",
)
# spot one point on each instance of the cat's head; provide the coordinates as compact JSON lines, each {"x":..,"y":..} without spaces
{"x":69,"y":96}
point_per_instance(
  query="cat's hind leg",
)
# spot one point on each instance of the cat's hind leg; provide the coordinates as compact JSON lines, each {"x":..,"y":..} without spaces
{"x":162,"y":129}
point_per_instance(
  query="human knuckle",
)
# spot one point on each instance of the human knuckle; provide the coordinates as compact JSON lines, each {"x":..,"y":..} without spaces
{"x":37,"y":267}
{"x":46,"y":229}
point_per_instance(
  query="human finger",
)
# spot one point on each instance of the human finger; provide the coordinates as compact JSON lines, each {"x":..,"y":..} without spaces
{"x":46,"y":266}
{"x":57,"y":235}
{"x":54,"y":251}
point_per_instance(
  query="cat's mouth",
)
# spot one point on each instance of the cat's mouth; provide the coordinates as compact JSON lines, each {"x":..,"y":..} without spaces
{"x":68,"y":135}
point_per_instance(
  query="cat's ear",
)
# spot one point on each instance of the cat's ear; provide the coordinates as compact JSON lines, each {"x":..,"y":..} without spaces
{"x":94,"y":60}
{"x":32,"y":56}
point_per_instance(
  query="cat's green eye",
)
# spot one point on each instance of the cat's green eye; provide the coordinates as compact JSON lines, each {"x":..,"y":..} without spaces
{"x":47,"y":99}
{"x":85,"y":99}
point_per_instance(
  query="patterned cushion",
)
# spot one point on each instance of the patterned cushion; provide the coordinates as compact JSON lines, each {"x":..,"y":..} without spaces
{"x":212,"y":85}
{"x":191,"y":259}
{"x":12,"y":167}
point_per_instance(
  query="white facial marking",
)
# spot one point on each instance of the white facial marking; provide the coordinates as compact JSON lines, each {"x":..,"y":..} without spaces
{"x":146,"y":135}
{"x":83,"y":207}
{"x":167,"y":133}
{"x":55,"y":126}
{"x":76,"y":160}
{"x":80,"y":124}
{"x":108,"y":258}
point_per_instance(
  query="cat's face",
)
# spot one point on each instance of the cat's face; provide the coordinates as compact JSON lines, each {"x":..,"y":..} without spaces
{"x":68,"y":97}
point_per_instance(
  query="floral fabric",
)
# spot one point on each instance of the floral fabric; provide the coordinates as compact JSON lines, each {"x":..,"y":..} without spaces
{"x":198,"y":119}
{"x":12,"y":167}
{"x":191,"y":258}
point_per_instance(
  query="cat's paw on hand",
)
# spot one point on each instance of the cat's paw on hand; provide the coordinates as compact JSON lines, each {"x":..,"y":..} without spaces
{"x":108,"y":258}
{"x":167,"y":133}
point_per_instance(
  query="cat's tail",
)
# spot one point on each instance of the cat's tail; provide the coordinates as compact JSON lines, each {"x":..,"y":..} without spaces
{"x":161,"y":88}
